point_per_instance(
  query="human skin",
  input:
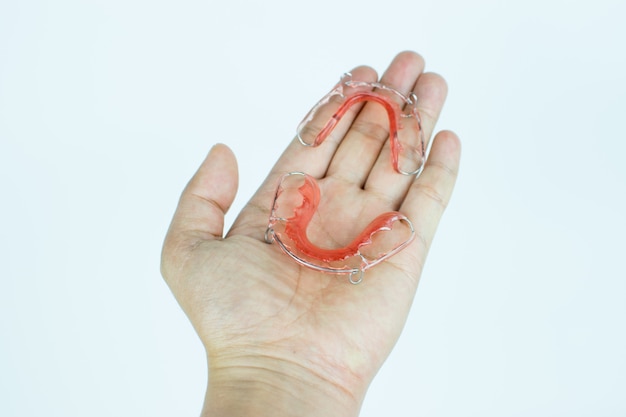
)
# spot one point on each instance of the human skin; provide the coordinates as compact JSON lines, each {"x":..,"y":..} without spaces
{"x":282,"y":339}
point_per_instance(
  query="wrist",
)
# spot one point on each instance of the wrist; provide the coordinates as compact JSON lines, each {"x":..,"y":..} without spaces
{"x":268,"y":386}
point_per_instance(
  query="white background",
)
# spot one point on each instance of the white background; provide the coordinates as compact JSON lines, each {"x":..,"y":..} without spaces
{"x":108,"y":107}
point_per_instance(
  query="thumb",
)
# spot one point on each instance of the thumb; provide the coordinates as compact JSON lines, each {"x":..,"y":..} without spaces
{"x":205,"y":200}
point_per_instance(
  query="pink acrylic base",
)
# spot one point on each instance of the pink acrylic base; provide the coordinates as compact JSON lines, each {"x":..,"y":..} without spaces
{"x":406,"y":138}
{"x":296,"y":202}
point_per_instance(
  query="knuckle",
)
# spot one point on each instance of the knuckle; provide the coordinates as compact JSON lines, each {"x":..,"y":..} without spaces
{"x":445,"y":168}
{"x":432,"y":193}
{"x":372,"y":131}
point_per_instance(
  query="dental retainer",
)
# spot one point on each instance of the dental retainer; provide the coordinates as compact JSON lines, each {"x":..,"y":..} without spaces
{"x":298,"y":196}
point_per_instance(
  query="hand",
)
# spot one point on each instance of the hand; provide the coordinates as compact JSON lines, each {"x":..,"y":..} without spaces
{"x":282,"y":339}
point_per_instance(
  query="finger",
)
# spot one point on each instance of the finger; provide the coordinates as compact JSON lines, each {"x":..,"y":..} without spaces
{"x":252,"y":220}
{"x":431,"y":91}
{"x":205,"y":200}
{"x":429,"y":194}
{"x":361,"y":147}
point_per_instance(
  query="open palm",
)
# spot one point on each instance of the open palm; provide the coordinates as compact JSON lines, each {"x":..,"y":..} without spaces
{"x":254,"y":308}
